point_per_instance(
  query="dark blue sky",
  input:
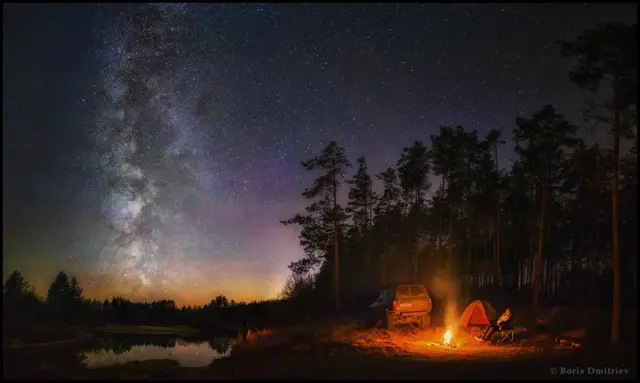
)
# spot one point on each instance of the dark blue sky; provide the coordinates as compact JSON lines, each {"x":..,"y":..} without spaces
{"x":251,"y":91}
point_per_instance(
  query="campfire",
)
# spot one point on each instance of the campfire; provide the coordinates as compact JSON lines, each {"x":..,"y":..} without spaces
{"x":447,"y":340}
{"x":447,"y":337}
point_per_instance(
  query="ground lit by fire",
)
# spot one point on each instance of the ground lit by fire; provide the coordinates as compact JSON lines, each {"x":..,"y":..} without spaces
{"x":436,"y":342}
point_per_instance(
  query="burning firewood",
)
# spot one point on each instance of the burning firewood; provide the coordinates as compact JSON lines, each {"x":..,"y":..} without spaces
{"x":447,"y":337}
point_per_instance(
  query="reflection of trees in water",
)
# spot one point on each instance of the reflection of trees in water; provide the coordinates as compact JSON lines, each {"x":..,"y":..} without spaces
{"x":120,"y":345}
{"x":120,"y":348}
{"x":219,"y":345}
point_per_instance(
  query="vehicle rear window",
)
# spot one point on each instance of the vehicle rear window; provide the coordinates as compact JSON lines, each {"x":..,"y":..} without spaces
{"x":403,"y":291}
{"x":417,"y":291}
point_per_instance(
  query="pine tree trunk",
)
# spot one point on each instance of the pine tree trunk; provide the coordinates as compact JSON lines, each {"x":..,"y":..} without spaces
{"x":417,"y":243}
{"x":497,"y":228}
{"x":532,"y":238}
{"x":369,"y":227}
{"x":468,"y":263}
{"x":615,"y":314}
{"x":385,"y":258}
{"x":578,"y":233}
{"x":336,"y":265}
{"x":439,"y":234}
{"x":450,"y":239}
{"x":538,"y":261}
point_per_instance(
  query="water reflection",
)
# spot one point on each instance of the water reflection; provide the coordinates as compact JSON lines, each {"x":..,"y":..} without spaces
{"x":188,"y":353}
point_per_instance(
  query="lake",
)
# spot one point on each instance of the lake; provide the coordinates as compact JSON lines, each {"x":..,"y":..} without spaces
{"x":109,"y":350}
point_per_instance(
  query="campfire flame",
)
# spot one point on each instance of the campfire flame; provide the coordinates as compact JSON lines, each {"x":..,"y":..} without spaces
{"x":447,"y":337}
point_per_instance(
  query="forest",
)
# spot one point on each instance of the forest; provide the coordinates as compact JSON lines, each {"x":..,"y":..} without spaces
{"x":556,"y":225}
{"x":66,"y":306}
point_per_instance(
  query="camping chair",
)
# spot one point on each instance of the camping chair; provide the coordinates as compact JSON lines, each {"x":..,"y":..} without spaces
{"x":505,"y":332}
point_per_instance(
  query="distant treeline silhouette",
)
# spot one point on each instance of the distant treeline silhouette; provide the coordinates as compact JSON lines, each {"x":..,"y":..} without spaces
{"x":65,"y":304}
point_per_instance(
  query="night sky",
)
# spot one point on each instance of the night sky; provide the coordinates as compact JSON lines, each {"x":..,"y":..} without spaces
{"x":235,"y":99}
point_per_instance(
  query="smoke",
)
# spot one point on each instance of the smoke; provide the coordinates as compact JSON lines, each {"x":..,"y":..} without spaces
{"x":447,"y":291}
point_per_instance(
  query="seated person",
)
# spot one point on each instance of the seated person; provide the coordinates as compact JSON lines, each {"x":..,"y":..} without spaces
{"x":505,"y":317}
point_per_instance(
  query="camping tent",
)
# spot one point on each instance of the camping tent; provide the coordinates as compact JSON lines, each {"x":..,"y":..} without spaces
{"x":478,"y":313}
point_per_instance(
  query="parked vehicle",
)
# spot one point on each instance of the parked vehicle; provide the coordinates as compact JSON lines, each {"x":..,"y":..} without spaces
{"x":401,"y":304}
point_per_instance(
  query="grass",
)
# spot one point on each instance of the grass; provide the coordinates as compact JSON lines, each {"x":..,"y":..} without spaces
{"x":148,"y":330}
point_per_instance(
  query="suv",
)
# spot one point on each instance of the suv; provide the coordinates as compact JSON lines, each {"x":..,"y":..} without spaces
{"x":403,"y":303}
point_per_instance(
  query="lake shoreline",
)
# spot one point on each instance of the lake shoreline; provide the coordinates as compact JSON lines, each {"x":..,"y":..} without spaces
{"x":148,"y":330}
{"x":56,"y":343}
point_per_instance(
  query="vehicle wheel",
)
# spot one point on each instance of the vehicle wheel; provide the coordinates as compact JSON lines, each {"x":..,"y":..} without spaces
{"x":389,"y":322}
{"x":424,"y":322}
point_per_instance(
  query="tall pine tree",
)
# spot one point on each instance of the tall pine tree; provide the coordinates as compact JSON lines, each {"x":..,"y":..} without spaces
{"x":322,"y":224}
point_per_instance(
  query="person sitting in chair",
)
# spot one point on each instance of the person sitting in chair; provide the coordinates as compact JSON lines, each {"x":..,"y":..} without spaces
{"x":505,"y":317}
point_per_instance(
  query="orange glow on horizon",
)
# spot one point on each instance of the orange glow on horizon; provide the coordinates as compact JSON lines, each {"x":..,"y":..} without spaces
{"x":196,"y":292}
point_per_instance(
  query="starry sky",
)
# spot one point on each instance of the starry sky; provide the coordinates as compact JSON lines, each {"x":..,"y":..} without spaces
{"x":206,"y":111}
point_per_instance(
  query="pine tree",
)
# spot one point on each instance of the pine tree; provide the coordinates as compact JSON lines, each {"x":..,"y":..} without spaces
{"x":608,"y":55}
{"x":360,"y":208}
{"x":413,"y":169}
{"x":322,"y":224}
{"x":389,"y":204}
{"x":493,"y":138}
{"x":541,"y":141}
{"x":16,"y":286}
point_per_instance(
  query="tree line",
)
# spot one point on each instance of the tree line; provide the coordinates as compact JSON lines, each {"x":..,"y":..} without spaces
{"x":65,"y":304}
{"x":556,"y":223}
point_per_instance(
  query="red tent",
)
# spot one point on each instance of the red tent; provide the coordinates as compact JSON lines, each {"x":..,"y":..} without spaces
{"x":478,"y":313}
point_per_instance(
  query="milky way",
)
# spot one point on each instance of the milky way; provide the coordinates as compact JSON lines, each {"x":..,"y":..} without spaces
{"x":145,"y":145}
{"x":151,"y":150}
{"x":156,"y":154}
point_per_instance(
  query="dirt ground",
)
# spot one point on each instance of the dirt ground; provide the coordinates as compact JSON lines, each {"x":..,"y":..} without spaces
{"x":345,"y":351}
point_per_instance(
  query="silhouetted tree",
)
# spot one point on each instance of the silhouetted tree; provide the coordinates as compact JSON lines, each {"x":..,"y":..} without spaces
{"x":608,"y":55}
{"x":494,"y":139}
{"x":324,"y":218}
{"x":542,"y":141}
{"x":15,"y":286}
{"x":361,"y":200}
{"x":447,"y":162}
{"x":297,"y":286}
{"x":389,"y":206}
{"x":19,"y":300}
{"x":413,"y":169}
